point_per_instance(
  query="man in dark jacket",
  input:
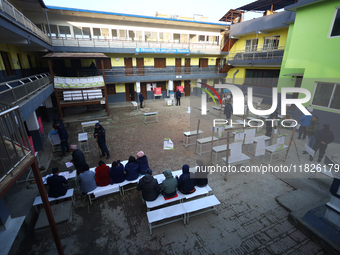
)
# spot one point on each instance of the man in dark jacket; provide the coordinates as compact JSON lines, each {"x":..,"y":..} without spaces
{"x":78,"y":159}
{"x":322,"y":138}
{"x":149,"y":187}
{"x":63,"y":135}
{"x":228,"y":110}
{"x":55,"y":119}
{"x":56,"y":184}
{"x":178,"y":97}
{"x":141,"y":98}
{"x":99,"y":134}
{"x":305,"y":121}
{"x":311,"y":131}
{"x":186,"y":182}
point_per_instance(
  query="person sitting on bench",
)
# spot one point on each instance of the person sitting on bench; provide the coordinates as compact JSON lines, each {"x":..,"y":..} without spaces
{"x":102,"y":174}
{"x":169,"y":185}
{"x":56,"y":184}
{"x":186,"y":182}
{"x":131,"y":169}
{"x":87,"y":180}
{"x":117,"y":174}
{"x":149,"y":186}
{"x":201,"y":175}
{"x":142,"y":161}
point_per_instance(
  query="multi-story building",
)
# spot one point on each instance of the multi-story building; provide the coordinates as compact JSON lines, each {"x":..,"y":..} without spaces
{"x":310,"y":60}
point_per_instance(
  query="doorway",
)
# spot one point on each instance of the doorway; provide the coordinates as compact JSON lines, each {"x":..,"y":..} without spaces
{"x":178,"y":66}
{"x":128,"y":66}
{"x":130,"y":91}
{"x":144,"y":91}
{"x":187,"y":66}
{"x":176,"y":83}
{"x":140,"y":66}
{"x":187,"y":88}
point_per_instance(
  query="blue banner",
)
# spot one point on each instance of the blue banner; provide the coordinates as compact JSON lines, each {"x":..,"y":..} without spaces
{"x":161,"y":50}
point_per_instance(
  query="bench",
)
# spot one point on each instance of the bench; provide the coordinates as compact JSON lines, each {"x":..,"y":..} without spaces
{"x":218,"y":149}
{"x":273,"y":150}
{"x":69,"y":194}
{"x":201,"y":205}
{"x":256,"y":139}
{"x":188,"y":134}
{"x":202,"y":141}
{"x":236,"y":156}
{"x":157,"y":95}
{"x":101,"y":191}
{"x":150,"y":114}
{"x":134,"y":105}
{"x":88,"y":124}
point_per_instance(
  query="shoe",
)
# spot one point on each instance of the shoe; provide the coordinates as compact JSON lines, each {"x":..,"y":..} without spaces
{"x":304,"y":152}
{"x":310,"y":158}
{"x":108,"y":156}
{"x":319,"y":160}
{"x":103,"y":155}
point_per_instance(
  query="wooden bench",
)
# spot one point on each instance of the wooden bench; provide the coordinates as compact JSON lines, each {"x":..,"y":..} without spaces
{"x":189,"y":134}
{"x":202,"y":141}
{"x":69,"y":194}
{"x":150,"y":114}
{"x":88,"y":124}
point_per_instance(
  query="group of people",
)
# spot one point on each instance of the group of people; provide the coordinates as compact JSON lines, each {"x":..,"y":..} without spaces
{"x":318,"y":139}
{"x":98,"y":134}
{"x":185,"y":183}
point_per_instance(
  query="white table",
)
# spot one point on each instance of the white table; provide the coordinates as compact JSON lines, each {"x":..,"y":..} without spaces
{"x":202,"y":141}
{"x":237,"y":160}
{"x":271,"y":150}
{"x":89,"y":124}
{"x":66,"y":174}
{"x":83,"y":142}
{"x":157,"y":95}
{"x":150,"y":114}
{"x":189,"y":134}
{"x":217,"y":149}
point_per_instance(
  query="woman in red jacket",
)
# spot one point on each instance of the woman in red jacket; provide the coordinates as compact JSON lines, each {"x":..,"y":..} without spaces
{"x":102,"y":174}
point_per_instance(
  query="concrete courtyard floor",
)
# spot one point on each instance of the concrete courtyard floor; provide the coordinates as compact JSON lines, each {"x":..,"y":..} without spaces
{"x":252,"y":217}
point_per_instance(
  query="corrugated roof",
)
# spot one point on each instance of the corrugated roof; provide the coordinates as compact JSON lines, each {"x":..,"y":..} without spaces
{"x":75,"y":55}
{"x":264,"y":5}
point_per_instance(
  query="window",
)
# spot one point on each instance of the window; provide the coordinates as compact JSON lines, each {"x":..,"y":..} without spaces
{"x":147,"y":36}
{"x":327,"y":95}
{"x":161,"y":36}
{"x":114,"y":33}
{"x":86,"y":32}
{"x":132,"y":35}
{"x":201,"y":38}
{"x":77,"y":32}
{"x":271,"y":42}
{"x":335,"y":28}
{"x":39,"y":26}
{"x":263,"y":78}
{"x":193,"y":38}
{"x":64,"y":30}
{"x":139,"y":36}
{"x":177,"y":38}
{"x":105,"y":33}
{"x":184,"y":38}
{"x":96,"y":32}
{"x":122,"y":34}
{"x":251,"y":45}
{"x":54,"y":30}
{"x":7,"y":63}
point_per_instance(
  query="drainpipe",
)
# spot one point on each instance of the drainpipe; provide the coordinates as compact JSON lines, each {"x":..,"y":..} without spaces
{"x":48,"y":23}
{"x":235,"y":75}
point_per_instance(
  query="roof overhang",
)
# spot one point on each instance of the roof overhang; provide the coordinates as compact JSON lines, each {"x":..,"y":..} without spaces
{"x":293,"y":74}
{"x":301,"y":3}
{"x":264,"y":5}
{"x":76,"y":55}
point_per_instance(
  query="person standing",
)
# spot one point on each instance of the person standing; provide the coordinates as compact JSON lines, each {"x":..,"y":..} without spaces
{"x":322,"y":138}
{"x":305,"y":121}
{"x":99,"y":134}
{"x":178,"y":97}
{"x":56,"y":184}
{"x":78,"y":159}
{"x":63,"y":135}
{"x":141,"y":98}
{"x":311,"y":131}
{"x":228,"y":110}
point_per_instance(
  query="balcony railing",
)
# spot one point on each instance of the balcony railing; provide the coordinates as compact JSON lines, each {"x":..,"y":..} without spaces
{"x":119,"y":72}
{"x":14,"y":143}
{"x":257,"y":53}
{"x":116,"y":43}
{"x":19,"y":17}
{"x":12,"y":92}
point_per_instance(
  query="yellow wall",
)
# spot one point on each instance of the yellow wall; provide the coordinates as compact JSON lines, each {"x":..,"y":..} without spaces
{"x":120,"y":89}
{"x":170,"y":61}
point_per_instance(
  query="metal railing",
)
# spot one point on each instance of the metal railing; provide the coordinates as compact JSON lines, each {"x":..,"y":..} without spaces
{"x":118,"y":72}
{"x":19,"y":17}
{"x":256,"y":53}
{"x":14,"y":91}
{"x":14,"y":142}
{"x":119,"y":43}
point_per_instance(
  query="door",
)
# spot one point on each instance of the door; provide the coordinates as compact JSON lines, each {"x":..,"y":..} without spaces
{"x":176,"y":83}
{"x":159,"y":63}
{"x":144,"y":91}
{"x":106,"y":61}
{"x":203,"y":63}
{"x":76,"y":66}
{"x":178,"y":66}
{"x":187,"y":66}
{"x":128,"y":66}
{"x":187,"y":88}
{"x":140,"y":66}
{"x":111,"y":89}
{"x":130,"y":91}
{"x":217,"y":66}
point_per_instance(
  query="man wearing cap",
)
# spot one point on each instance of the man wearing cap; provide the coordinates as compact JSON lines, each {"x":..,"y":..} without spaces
{"x":149,"y":186}
{"x":322,"y":138}
{"x":99,"y":134}
{"x":63,"y":135}
{"x":56,"y":184}
{"x":78,"y":159}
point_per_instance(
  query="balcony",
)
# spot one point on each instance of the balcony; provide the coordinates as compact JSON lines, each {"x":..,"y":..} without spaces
{"x":130,"y":45}
{"x":9,"y":9}
{"x":262,"y":55}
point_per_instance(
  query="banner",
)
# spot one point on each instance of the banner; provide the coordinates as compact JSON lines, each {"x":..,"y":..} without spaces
{"x":78,"y":82}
